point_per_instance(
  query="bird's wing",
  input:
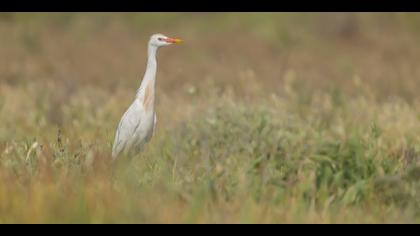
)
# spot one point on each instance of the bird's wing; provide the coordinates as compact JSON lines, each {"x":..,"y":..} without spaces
{"x":127,"y":127}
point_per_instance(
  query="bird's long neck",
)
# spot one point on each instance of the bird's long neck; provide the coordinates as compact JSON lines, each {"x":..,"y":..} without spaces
{"x":146,"y":92}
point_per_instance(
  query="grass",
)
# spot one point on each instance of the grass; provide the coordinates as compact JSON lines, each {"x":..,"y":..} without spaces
{"x":262,"y":118}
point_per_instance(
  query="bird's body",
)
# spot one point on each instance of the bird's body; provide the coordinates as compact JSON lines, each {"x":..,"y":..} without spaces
{"x":138,"y":123}
{"x":134,"y":130}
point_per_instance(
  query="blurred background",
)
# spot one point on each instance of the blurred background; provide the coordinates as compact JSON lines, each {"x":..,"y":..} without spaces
{"x":54,"y":58}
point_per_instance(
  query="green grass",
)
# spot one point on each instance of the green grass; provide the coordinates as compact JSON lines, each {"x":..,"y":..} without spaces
{"x":287,"y":123}
{"x":235,"y":163}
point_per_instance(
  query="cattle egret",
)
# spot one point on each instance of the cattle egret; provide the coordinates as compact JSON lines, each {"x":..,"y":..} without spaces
{"x":138,"y":123}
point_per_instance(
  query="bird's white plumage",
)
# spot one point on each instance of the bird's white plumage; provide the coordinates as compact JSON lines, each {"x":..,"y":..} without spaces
{"x":138,"y":123}
{"x":134,"y":129}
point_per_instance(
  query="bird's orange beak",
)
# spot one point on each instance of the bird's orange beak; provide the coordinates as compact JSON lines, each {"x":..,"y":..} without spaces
{"x":173,"y":40}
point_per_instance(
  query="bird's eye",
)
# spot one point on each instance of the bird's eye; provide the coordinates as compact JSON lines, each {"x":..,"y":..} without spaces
{"x":160,"y":39}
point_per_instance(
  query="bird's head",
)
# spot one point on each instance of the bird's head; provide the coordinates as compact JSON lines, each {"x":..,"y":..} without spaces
{"x":159,"y":40}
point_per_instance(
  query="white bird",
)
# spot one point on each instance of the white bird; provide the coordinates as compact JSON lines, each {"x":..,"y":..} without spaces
{"x":138,"y":123}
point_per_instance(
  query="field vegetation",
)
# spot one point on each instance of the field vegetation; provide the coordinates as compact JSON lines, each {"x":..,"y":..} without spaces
{"x":262,"y":118}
